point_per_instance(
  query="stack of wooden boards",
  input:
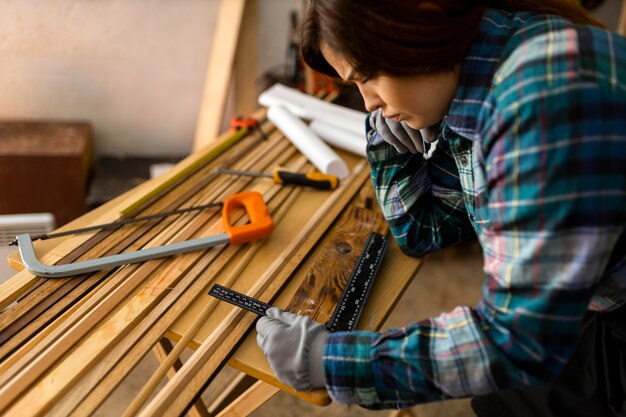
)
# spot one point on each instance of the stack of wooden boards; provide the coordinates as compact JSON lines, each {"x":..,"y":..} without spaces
{"x":67,"y":344}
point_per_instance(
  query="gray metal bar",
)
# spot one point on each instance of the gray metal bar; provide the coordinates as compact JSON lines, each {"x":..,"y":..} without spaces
{"x":239,"y":172}
{"x":33,"y":265}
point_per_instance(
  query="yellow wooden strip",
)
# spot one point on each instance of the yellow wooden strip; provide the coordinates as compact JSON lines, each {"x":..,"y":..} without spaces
{"x":182,"y":171}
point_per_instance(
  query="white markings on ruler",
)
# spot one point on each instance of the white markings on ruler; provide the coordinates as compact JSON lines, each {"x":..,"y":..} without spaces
{"x":352,"y":301}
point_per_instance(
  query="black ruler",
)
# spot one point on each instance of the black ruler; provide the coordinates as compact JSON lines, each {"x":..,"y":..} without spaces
{"x":352,"y":301}
{"x":239,"y":299}
{"x":350,"y":306}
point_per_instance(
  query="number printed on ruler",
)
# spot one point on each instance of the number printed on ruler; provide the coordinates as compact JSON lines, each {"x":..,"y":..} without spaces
{"x":353,"y":298}
{"x":239,"y":299}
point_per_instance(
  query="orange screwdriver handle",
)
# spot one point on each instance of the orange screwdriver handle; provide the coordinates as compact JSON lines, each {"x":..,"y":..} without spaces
{"x":260,"y":225}
{"x":312,"y":179}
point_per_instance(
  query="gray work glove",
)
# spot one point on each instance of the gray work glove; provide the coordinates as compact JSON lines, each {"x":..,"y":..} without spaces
{"x":400,"y":135}
{"x":294,"y":346}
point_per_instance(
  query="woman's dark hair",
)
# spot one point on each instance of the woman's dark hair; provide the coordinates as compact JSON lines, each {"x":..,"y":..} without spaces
{"x":404,"y":37}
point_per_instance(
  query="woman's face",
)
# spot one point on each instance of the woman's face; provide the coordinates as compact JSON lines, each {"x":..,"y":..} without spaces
{"x":420,"y":100}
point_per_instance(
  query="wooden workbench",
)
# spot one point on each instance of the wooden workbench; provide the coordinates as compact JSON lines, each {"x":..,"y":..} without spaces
{"x":66,"y":344}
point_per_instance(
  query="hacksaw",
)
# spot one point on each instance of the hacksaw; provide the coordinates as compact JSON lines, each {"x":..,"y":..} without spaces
{"x":260,"y":227}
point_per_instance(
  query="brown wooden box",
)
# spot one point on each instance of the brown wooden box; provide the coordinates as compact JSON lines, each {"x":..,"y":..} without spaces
{"x":44,"y":167}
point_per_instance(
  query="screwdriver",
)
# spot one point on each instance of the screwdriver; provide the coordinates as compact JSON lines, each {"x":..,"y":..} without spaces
{"x":311,"y":179}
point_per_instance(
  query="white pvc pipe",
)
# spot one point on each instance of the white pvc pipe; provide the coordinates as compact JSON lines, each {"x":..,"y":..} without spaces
{"x":311,"y":108}
{"x":340,"y":138}
{"x":307,"y":142}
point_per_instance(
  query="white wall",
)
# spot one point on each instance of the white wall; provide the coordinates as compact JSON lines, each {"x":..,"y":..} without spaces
{"x":134,"y":68}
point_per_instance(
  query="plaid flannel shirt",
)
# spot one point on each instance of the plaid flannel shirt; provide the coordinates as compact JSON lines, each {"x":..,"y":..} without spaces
{"x":531,"y":158}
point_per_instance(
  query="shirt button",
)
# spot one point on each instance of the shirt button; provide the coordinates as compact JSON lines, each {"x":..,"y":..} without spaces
{"x":463,"y":160}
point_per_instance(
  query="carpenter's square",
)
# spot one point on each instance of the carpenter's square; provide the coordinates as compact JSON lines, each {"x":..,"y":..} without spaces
{"x":350,"y":306}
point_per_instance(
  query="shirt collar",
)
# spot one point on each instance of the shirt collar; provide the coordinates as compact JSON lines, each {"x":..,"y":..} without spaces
{"x":477,"y":72}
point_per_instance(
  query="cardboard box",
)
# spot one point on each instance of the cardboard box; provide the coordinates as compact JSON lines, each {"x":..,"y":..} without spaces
{"x":44,"y":167}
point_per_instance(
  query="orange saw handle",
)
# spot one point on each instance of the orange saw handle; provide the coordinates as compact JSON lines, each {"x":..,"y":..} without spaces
{"x":260,"y":225}
{"x":241,"y":122}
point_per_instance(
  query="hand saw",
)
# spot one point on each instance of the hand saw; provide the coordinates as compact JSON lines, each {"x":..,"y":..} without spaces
{"x":259,"y":227}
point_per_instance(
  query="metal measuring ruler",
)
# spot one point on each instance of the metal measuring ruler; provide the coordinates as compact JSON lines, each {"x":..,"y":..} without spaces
{"x":239,"y":299}
{"x":352,"y":301}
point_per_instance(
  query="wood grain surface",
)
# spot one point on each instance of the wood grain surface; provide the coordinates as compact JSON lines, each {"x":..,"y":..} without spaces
{"x":67,"y":344}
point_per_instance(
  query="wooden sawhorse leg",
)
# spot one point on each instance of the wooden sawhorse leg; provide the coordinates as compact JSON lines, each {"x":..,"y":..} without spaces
{"x":241,"y":397}
{"x":249,"y":400}
{"x":161,"y":350}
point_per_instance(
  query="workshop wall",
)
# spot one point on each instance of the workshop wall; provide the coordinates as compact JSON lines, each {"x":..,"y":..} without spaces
{"x":134,"y":69}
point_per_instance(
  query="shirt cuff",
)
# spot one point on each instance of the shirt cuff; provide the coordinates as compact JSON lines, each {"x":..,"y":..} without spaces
{"x":347,"y":366}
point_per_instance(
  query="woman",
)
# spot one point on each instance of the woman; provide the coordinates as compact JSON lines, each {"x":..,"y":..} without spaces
{"x":526,"y":101}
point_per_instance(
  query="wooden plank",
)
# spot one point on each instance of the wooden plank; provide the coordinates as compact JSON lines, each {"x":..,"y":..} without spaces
{"x":20,"y":379}
{"x":246,"y":89}
{"x":13,"y":289}
{"x":217,"y":82}
{"x":34,"y":304}
{"x":621,"y":25}
{"x":154,"y":331}
{"x":125,"y":355}
{"x":84,"y":407}
{"x":274,"y":149}
{"x":153,"y":328}
{"x":321,"y":289}
{"x":175,"y":231}
{"x":211,"y":354}
{"x":41,"y":315}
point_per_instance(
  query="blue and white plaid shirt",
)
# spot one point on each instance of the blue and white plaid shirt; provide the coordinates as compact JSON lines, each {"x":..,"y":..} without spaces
{"x":531,"y":158}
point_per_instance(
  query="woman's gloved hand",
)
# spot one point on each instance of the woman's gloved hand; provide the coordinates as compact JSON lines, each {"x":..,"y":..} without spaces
{"x":294,"y":346}
{"x":397,"y":134}
{"x":400,"y":135}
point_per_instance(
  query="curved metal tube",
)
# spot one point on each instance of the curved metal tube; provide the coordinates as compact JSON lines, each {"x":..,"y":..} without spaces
{"x":33,"y":265}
